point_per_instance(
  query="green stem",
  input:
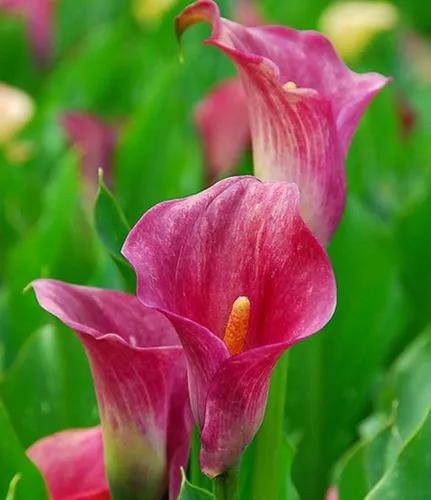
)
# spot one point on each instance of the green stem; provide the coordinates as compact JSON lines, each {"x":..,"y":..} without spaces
{"x":269,"y":440}
{"x":225,"y":486}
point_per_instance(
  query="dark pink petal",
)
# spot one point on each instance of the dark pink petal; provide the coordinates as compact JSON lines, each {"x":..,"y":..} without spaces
{"x":95,"y":141}
{"x":72,"y":464}
{"x":298,"y":134}
{"x":240,"y":388}
{"x":194,"y":257}
{"x":137,"y":368}
{"x":38,"y":15}
{"x":222,"y":120}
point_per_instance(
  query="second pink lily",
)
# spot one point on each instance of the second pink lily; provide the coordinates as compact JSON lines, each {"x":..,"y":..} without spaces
{"x":304,"y":105}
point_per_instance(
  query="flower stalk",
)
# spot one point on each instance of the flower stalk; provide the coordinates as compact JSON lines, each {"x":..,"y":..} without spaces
{"x":270,"y":438}
{"x":225,"y":486}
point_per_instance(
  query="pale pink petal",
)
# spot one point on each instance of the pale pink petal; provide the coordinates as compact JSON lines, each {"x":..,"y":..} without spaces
{"x":72,"y":464}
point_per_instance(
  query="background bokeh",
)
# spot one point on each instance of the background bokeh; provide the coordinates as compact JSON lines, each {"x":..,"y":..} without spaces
{"x":359,"y":393}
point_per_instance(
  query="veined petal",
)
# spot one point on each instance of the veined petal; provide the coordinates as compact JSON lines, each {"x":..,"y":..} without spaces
{"x":137,"y":368}
{"x":194,"y":257}
{"x":72,"y":464}
{"x":222,"y":120}
{"x":95,"y":141}
{"x":204,"y":352}
{"x":300,"y":131}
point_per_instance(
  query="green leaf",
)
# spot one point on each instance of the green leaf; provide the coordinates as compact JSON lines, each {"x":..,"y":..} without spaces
{"x":190,"y":492}
{"x":112,"y":228}
{"x":14,"y":464}
{"x":49,"y":387}
{"x":59,"y":246}
{"x":409,"y":478}
{"x":402,"y":405}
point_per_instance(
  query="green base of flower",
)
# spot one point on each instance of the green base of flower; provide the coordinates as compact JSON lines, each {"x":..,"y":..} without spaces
{"x":225,"y":486}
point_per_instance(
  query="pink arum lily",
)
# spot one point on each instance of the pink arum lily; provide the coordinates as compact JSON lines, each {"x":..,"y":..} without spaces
{"x":304,"y":105}
{"x":72,"y":465}
{"x":38,"y":15}
{"x":140,"y":379}
{"x":95,"y":142}
{"x":222,"y":120}
{"x":242,"y":279}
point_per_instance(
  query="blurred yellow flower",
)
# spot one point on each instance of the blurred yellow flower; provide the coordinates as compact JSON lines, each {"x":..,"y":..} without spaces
{"x":351,"y":26}
{"x":16,"y":110}
{"x":146,"y":11}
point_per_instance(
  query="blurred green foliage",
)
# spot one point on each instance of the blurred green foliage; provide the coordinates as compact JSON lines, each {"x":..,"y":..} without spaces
{"x":358,"y":397}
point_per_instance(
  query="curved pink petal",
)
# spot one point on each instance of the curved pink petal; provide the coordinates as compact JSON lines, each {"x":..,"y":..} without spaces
{"x":95,"y":141}
{"x":138,"y":371}
{"x":38,"y":15}
{"x":298,"y":134}
{"x":240,"y":387}
{"x":222,"y":120}
{"x":72,"y":464}
{"x":195,"y":256}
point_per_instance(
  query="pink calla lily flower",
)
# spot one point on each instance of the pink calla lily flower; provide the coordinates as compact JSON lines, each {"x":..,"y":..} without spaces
{"x":95,"y":142}
{"x":38,"y":15}
{"x":71,"y":462}
{"x":140,"y":379}
{"x":304,"y":105}
{"x":224,"y":134}
{"x":242,"y":278}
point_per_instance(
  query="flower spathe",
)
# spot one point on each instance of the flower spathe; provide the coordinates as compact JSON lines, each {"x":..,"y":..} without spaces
{"x":71,"y":463}
{"x":222,"y":121}
{"x":95,"y":141}
{"x":242,"y":278}
{"x":304,"y":105}
{"x":139,"y":375}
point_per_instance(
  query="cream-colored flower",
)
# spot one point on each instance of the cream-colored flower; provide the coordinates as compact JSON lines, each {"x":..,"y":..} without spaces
{"x":146,"y":11}
{"x":16,"y":110}
{"x":351,"y":26}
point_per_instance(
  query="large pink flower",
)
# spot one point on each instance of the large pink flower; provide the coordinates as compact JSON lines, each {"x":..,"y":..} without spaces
{"x":38,"y":15}
{"x":304,"y":105}
{"x":140,"y":380}
{"x":242,"y":278}
{"x":72,"y":464}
